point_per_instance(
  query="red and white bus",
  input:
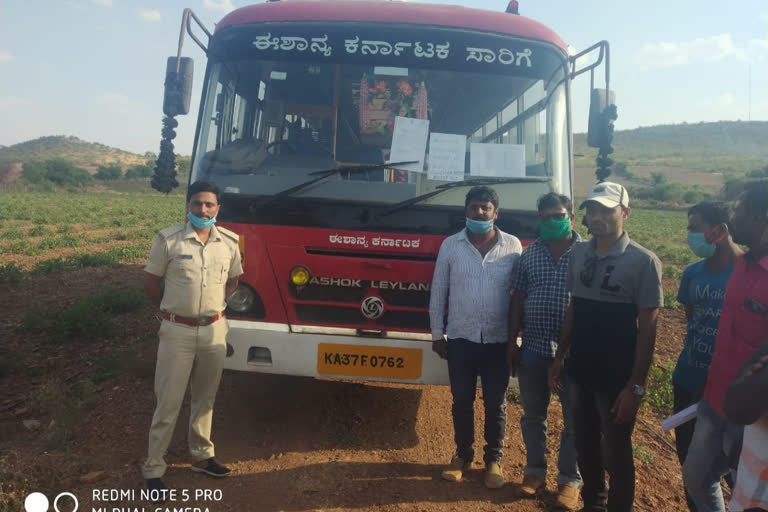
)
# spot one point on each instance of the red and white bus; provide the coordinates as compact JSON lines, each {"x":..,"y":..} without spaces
{"x":306,"y":104}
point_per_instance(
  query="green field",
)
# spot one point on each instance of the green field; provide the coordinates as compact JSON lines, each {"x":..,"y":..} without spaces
{"x":49,"y":232}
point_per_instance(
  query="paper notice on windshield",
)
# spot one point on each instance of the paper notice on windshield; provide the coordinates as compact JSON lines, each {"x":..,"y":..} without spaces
{"x":497,"y":160}
{"x":446,"y":157}
{"x":409,"y":142}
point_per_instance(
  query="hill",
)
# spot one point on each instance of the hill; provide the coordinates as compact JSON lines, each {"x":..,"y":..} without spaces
{"x":725,"y":138}
{"x":697,"y":153}
{"x":87,"y":155}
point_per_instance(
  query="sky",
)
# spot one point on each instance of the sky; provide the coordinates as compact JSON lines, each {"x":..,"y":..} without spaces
{"x":95,"y":68}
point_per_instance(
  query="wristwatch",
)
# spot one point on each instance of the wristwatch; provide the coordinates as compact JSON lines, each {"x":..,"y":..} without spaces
{"x":638,"y":390}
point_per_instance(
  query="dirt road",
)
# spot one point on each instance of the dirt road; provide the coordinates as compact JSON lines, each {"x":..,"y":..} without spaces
{"x":293,"y":444}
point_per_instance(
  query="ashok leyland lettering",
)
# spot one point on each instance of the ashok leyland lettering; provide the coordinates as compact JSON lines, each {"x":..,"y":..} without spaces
{"x":344,"y":136}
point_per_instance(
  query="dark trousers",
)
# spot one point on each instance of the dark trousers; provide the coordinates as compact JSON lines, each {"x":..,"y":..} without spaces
{"x":602,"y":445}
{"x":466,"y":361}
{"x":684,"y":433}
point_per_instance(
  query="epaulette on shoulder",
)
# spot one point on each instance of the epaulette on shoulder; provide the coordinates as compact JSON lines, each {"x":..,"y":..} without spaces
{"x":168,"y":232}
{"x":229,"y":234}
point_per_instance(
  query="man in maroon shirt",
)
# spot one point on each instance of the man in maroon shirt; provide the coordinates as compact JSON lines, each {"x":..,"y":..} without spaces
{"x":743,"y":326}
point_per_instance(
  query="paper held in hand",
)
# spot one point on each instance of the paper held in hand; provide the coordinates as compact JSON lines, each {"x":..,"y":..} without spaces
{"x":681,"y":417}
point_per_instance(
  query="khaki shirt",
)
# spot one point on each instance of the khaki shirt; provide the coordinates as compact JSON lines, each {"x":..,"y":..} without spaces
{"x":195,"y":273}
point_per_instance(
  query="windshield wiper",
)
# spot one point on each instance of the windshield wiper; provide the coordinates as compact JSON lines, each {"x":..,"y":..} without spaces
{"x":321,"y":175}
{"x":463,"y":183}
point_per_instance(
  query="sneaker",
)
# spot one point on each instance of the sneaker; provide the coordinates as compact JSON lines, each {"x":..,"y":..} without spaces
{"x":494,"y":479}
{"x":531,"y":485}
{"x":567,"y":497}
{"x":454,"y":472}
{"x":211,"y":468}
{"x":156,"y":489}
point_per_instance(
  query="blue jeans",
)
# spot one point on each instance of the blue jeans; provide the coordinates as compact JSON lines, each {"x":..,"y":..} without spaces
{"x":466,"y":361}
{"x":535,"y":396}
{"x":713,"y":453}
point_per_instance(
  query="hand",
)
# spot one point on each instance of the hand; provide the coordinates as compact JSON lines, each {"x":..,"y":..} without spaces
{"x":757,"y":366}
{"x":553,"y":375}
{"x":513,"y":358}
{"x":625,"y":407}
{"x":440,"y":347}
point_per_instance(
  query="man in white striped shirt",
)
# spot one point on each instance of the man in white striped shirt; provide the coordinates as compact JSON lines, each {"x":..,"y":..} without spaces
{"x":473,"y":277}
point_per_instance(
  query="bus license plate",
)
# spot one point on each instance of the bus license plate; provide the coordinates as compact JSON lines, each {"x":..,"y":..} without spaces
{"x":367,"y":361}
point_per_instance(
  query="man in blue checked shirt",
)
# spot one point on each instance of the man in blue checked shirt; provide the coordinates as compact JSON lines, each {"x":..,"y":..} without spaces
{"x":539,"y":304}
{"x":473,"y":277}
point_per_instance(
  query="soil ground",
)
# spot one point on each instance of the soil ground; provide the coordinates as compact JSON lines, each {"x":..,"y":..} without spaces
{"x":293,"y":444}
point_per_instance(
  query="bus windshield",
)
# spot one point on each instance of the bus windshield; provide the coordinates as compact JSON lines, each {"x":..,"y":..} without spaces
{"x":267,"y":125}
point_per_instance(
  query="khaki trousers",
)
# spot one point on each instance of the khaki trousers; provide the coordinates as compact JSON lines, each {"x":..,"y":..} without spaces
{"x":193,"y":355}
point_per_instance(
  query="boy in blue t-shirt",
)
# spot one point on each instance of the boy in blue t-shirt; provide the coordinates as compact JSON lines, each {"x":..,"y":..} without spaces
{"x":702,"y":289}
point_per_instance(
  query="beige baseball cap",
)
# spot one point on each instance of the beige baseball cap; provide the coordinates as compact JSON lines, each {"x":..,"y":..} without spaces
{"x":608,"y":194}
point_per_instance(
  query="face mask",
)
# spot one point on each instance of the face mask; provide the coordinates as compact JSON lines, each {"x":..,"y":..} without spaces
{"x":555,"y":229}
{"x":699,"y":245}
{"x":479,"y":226}
{"x":200,"y":223}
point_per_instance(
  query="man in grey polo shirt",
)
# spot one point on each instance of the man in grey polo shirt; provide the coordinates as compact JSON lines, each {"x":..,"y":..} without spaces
{"x":608,"y":333}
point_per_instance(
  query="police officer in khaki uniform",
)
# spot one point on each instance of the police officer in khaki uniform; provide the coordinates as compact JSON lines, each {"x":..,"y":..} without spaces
{"x":200,"y":264}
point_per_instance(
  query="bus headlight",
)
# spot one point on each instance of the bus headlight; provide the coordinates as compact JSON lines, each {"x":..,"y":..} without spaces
{"x":300,"y":275}
{"x":241,"y":299}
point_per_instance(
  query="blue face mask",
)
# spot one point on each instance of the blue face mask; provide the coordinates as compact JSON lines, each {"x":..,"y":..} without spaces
{"x":699,"y":245}
{"x":200,"y":223}
{"x":479,"y":226}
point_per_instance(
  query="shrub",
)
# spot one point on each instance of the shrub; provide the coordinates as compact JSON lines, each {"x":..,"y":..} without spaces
{"x":34,"y":172}
{"x":12,"y":234}
{"x":672,"y":272}
{"x":63,"y":172}
{"x":138,"y":172}
{"x":693,"y":196}
{"x":108,"y":172}
{"x":659,"y":394}
{"x":39,"y":230}
{"x":64,"y":406}
{"x":670,"y":300}
{"x":643,"y":455}
{"x":10,"y":273}
{"x":90,"y":317}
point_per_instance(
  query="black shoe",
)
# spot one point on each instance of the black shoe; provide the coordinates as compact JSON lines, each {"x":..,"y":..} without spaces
{"x":156,"y":489}
{"x":212,"y":468}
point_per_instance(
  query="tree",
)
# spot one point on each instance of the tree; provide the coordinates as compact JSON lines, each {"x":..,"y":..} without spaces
{"x":138,"y":172}
{"x":64,"y":172}
{"x":109,"y":172}
{"x":658,"y":178}
{"x":182,"y":165}
{"x":35,"y":172}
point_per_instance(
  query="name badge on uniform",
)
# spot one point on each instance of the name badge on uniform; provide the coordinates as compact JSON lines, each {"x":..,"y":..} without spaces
{"x":184,"y":257}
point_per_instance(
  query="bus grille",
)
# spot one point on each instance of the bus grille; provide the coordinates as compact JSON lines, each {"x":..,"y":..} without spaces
{"x":335,"y":315}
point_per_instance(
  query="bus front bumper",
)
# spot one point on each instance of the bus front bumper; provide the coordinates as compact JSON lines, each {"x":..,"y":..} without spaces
{"x":278,"y":348}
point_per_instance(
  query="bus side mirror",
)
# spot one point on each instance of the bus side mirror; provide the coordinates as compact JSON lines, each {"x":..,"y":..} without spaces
{"x":178,"y":86}
{"x":600,"y":118}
